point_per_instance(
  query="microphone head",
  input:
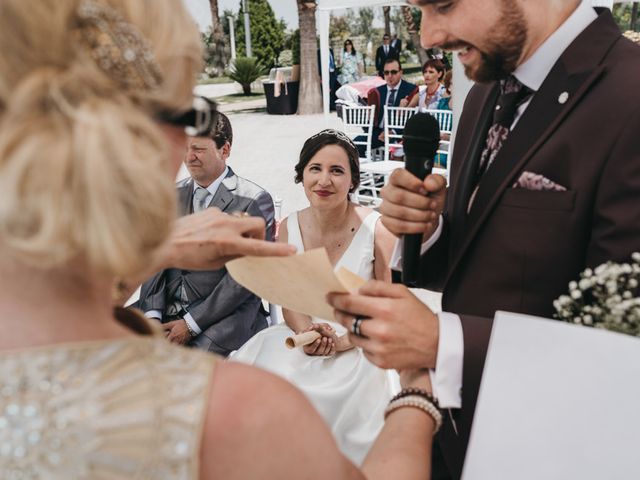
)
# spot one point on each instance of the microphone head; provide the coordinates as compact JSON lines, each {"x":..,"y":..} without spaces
{"x":421,"y":135}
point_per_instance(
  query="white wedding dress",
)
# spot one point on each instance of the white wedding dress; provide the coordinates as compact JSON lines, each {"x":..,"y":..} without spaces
{"x":348,"y":391}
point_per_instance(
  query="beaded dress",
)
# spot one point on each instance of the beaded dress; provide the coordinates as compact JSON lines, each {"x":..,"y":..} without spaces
{"x":128,"y":408}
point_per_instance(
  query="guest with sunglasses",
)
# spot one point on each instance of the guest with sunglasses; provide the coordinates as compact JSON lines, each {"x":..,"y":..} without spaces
{"x":391,"y":93}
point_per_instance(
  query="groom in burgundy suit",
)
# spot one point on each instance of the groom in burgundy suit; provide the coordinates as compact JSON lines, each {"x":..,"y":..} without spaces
{"x":545,"y":182}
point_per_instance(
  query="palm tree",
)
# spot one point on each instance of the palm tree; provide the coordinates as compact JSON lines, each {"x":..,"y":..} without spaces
{"x":218,"y":45}
{"x":310,"y":97}
{"x":414,"y":34}
{"x":387,"y":20}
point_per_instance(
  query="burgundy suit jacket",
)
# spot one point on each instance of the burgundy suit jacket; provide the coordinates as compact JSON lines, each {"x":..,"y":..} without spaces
{"x":517,"y":249}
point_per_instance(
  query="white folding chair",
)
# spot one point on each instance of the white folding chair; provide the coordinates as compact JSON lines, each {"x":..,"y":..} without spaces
{"x":358,"y":122}
{"x":445,"y":120}
{"x":395,"y":118}
{"x":358,"y":125}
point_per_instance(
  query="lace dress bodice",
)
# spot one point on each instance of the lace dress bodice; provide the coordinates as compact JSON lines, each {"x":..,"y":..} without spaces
{"x":130,"y":408}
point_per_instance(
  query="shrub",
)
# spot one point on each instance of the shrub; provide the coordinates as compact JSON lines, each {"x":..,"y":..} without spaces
{"x":245,"y":71}
{"x":267,"y":33}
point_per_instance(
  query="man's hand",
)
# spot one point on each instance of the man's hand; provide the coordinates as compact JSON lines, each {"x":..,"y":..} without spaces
{"x":177,"y":331}
{"x":401,"y":331}
{"x":208,"y":239}
{"x":412,"y":206}
{"x":404,"y":102}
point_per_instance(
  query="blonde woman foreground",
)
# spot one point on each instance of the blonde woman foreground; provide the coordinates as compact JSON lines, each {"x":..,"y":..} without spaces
{"x":88,"y":153}
{"x":348,"y":391}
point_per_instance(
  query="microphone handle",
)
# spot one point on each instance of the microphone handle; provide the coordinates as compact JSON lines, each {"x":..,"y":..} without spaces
{"x":411,"y":244}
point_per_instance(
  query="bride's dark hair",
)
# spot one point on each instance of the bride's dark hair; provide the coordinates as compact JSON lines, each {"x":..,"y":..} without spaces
{"x":321,"y":140}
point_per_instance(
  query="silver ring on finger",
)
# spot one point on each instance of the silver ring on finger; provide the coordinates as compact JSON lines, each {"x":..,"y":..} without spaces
{"x":355,"y":326}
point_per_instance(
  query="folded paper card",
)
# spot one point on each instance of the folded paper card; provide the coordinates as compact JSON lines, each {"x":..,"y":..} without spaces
{"x":299,"y":282}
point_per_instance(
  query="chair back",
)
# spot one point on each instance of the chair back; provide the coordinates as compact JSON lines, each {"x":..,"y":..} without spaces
{"x":395,"y":118}
{"x":358,"y":125}
{"x":445,"y":121}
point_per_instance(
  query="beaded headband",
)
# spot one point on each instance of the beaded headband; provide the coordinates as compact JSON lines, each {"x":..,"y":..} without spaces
{"x":335,"y":133}
{"x":117,"y":46}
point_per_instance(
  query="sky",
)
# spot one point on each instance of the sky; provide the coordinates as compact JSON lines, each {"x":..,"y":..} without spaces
{"x":282,"y":8}
{"x":286,"y":9}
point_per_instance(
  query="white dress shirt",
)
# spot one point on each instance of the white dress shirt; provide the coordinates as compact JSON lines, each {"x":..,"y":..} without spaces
{"x":213,"y":188}
{"x":447,"y":377}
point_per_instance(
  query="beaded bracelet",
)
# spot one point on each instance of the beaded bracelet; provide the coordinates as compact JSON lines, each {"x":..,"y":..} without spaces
{"x":415,"y":391}
{"x":419,"y":402}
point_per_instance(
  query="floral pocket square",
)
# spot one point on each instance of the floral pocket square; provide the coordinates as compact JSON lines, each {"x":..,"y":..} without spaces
{"x":537,"y":182}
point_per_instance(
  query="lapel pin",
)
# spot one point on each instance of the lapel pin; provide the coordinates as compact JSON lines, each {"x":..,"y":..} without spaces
{"x":562,"y":99}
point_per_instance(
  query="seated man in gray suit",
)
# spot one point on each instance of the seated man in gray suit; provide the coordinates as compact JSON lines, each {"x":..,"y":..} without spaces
{"x":208,"y":309}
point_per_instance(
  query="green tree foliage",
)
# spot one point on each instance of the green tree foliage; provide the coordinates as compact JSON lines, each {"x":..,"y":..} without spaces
{"x":339,"y":28}
{"x":267,"y":33}
{"x":365,"y":21}
{"x":623,"y":13}
{"x":295,"y":46}
{"x":245,"y":71}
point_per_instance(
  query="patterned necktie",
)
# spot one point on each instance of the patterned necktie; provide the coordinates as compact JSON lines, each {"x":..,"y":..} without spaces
{"x":392,"y":97}
{"x":199,"y":199}
{"x":512,"y":95}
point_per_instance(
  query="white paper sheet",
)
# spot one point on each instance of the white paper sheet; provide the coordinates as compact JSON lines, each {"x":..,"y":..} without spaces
{"x":557,"y":401}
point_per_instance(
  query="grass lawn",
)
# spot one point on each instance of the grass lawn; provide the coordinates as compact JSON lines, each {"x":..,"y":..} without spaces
{"x":239,"y":97}
{"x":213,"y":81}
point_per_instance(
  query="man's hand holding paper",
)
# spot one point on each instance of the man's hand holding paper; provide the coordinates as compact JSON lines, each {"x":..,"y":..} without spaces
{"x":400,"y":332}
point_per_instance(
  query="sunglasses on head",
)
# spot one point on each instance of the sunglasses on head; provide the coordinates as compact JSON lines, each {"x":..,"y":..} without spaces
{"x":199,"y":121}
{"x":391,"y":72}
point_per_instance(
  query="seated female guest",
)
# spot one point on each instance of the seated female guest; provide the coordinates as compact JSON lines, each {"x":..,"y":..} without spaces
{"x":93,"y":103}
{"x":445,"y":102}
{"x":348,"y":391}
{"x":432,"y":91}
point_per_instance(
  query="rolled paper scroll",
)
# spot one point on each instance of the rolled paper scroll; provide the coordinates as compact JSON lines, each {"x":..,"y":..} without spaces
{"x":302,"y":339}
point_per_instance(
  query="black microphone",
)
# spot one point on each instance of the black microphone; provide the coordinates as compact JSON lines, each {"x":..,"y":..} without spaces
{"x":421,"y":139}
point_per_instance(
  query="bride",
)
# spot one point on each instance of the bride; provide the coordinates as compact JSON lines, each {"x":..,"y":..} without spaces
{"x":349,"y":392}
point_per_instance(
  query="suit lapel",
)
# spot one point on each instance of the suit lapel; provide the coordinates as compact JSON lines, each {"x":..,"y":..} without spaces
{"x":185,"y":199}
{"x":574,"y":74}
{"x":463,"y":181}
{"x":223,"y":199}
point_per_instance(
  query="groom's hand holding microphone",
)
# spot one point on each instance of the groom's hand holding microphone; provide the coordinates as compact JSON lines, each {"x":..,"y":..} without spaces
{"x":400,"y":331}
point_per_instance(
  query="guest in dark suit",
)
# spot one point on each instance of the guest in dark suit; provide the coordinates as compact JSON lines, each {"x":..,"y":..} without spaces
{"x":545,"y":182}
{"x":396,"y":43}
{"x":391,"y":93}
{"x":385,"y":52}
{"x":208,"y":309}
{"x":334,"y":85}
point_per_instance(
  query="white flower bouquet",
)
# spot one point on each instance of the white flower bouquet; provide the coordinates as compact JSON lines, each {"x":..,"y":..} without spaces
{"x":606,"y":297}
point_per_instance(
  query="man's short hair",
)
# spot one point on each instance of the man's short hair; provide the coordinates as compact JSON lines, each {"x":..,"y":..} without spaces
{"x":224,"y":132}
{"x":392,"y":60}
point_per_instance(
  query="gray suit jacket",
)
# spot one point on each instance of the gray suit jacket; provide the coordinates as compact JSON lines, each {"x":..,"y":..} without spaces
{"x":227,"y":313}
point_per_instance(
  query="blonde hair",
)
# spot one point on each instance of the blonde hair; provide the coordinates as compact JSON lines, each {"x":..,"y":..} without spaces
{"x":83,"y":166}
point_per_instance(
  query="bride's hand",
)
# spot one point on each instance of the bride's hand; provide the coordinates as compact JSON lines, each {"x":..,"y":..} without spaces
{"x":326,"y":344}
